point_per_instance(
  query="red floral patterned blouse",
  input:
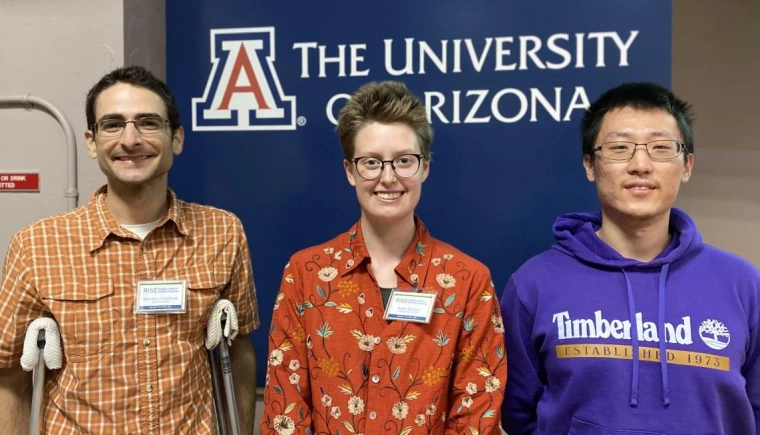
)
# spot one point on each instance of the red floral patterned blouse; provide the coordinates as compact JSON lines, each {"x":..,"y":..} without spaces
{"x":336,"y":366}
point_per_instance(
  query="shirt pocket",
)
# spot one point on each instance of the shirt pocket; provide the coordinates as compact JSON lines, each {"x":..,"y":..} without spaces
{"x":85,"y":315}
{"x":204,"y":285}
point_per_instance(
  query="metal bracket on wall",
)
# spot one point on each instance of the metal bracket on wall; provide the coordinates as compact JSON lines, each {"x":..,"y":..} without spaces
{"x":30,"y":102}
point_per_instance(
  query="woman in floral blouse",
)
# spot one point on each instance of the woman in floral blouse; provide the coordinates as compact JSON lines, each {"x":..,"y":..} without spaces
{"x":336,"y":364}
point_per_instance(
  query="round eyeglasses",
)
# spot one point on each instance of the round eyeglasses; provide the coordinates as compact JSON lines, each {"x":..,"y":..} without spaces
{"x":145,"y":125}
{"x":656,"y":149}
{"x":404,"y":166}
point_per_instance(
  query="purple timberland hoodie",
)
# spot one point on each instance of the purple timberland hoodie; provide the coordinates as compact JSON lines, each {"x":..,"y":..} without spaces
{"x":585,"y":329}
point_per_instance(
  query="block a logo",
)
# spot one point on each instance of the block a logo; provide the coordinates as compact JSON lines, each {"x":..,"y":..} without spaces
{"x":243,"y":91}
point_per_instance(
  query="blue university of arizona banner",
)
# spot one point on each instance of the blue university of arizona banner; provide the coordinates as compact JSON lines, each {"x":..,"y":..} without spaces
{"x":505,"y":83}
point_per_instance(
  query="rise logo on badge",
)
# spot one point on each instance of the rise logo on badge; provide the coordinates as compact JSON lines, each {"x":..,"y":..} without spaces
{"x":243,"y":91}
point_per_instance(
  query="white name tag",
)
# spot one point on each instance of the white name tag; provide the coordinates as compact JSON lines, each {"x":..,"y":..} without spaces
{"x":410,"y":306}
{"x":161,"y":297}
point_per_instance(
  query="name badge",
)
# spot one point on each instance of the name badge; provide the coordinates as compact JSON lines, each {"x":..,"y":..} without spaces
{"x":410,"y":306}
{"x":161,"y":297}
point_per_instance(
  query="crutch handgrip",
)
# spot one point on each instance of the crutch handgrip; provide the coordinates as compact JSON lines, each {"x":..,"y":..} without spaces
{"x":42,"y":334}
{"x":216,"y":329}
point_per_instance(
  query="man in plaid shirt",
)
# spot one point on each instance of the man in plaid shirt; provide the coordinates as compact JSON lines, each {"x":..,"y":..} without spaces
{"x":133,"y":363}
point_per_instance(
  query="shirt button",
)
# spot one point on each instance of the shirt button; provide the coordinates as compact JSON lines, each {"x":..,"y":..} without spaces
{"x":146,"y":342}
{"x":375,"y":378}
{"x":144,"y":249}
{"x":149,"y":388}
{"x":377,"y":340}
{"x":372,"y":415}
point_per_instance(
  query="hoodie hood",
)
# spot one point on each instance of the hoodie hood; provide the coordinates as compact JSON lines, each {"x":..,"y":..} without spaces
{"x":575,"y":234}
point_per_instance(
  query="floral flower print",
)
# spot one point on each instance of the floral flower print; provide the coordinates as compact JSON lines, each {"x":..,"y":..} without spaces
{"x":446,"y":280}
{"x":284,"y":425}
{"x":492,"y":384}
{"x":400,"y":410}
{"x":397,"y":345}
{"x":275,"y":358}
{"x":327,"y":274}
{"x":355,"y":405}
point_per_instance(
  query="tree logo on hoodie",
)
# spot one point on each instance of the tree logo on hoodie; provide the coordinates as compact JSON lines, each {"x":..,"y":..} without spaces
{"x":714,"y":334}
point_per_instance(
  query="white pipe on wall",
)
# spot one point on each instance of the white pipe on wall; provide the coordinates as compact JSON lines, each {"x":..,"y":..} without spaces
{"x":30,"y":102}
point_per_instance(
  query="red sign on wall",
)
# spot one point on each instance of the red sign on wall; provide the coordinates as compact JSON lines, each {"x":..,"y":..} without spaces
{"x":19,"y":182}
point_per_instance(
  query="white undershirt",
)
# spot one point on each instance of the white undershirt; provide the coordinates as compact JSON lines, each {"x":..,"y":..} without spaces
{"x":142,"y":230}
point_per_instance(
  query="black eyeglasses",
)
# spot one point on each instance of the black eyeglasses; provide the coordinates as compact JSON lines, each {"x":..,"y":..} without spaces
{"x":115,"y":127}
{"x":656,"y":149}
{"x":404,"y":166}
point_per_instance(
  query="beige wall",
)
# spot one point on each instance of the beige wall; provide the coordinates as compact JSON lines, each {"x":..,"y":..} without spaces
{"x":55,"y":50}
{"x":716,"y":67}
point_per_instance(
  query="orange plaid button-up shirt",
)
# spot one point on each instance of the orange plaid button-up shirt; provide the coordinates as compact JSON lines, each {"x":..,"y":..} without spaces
{"x":123,"y":372}
{"x":335,"y":364}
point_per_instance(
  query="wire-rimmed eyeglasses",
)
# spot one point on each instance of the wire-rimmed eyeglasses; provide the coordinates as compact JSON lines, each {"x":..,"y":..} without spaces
{"x":622,"y":151}
{"x":144,"y":125}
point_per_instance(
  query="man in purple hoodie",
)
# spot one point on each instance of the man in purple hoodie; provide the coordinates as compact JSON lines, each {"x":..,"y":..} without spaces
{"x":630,"y":324}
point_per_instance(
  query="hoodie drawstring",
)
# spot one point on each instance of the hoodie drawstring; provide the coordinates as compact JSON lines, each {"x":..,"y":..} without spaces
{"x":661,"y":333}
{"x":635,"y":341}
{"x":634,"y":399}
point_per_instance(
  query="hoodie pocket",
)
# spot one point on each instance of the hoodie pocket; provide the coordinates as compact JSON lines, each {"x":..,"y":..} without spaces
{"x":580,"y":427}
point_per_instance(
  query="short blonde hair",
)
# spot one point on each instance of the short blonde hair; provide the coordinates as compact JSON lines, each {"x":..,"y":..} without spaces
{"x":385,"y":102}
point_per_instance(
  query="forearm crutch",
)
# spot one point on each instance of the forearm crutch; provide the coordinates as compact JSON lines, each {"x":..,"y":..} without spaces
{"x":221,"y":329}
{"x":41,"y":336}
{"x":216,"y":376}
